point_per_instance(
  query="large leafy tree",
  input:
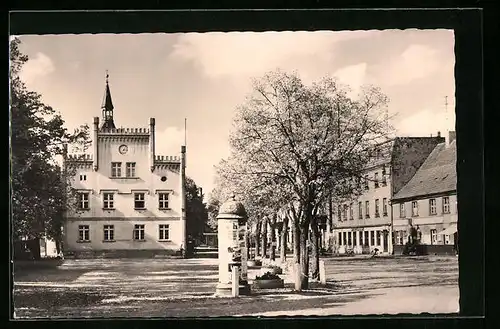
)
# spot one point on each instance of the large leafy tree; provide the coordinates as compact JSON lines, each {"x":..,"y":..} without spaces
{"x":196,"y":212}
{"x":213,"y":206}
{"x":37,"y":138}
{"x":310,"y":143}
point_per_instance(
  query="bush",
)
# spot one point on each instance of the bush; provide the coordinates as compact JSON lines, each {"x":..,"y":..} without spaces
{"x":268,"y":276}
{"x":276,"y":269}
{"x":414,"y":249}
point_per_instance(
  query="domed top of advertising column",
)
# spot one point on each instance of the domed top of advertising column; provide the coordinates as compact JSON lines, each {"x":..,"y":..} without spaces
{"x":232,"y":209}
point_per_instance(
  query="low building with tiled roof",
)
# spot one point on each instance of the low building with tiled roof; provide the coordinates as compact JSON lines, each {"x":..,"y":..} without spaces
{"x":365,"y":224}
{"x":428,"y":202}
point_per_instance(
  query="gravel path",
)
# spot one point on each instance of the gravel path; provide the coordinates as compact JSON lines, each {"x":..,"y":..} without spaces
{"x":185,"y":288}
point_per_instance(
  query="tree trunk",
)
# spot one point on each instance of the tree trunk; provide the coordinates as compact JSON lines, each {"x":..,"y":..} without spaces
{"x":315,"y":248}
{"x":247,"y":243}
{"x":34,"y":247}
{"x":257,"y":238}
{"x":296,"y":241}
{"x":58,"y":246}
{"x":283,"y":240}
{"x":273,"y":243}
{"x":304,"y":257}
{"x":264,"y":239}
{"x":273,"y":246}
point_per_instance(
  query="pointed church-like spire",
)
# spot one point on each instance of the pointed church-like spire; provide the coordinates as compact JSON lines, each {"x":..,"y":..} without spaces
{"x":107,"y":107}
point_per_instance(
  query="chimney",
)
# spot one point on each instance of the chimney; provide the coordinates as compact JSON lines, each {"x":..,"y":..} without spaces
{"x":452,"y":135}
{"x":152,"y":144}
{"x":96,"y":144}
{"x":439,"y":134}
{"x":183,"y":196}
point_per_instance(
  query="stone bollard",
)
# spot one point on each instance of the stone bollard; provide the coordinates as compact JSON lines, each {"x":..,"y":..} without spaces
{"x":235,"y":282}
{"x":297,"y":276}
{"x":322,"y":272}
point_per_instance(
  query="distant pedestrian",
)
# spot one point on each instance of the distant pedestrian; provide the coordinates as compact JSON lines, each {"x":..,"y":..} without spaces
{"x":419,"y":234}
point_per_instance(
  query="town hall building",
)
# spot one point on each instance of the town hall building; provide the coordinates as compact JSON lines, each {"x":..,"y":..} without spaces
{"x":131,"y":201}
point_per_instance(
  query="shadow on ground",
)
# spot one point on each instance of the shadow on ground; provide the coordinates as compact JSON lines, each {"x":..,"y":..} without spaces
{"x":49,"y":274}
{"x":185,"y":288}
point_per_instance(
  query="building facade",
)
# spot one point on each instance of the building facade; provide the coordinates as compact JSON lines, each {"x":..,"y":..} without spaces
{"x":130,"y":200}
{"x":428,"y":202}
{"x":366,"y":223}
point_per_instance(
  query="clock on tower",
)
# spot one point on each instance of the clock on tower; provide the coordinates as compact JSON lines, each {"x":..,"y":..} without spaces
{"x":123,"y":149}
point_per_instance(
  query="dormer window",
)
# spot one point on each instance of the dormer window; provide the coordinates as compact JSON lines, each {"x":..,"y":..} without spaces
{"x":83,"y":177}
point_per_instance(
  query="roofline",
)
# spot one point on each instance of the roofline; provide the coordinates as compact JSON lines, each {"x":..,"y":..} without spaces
{"x":423,"y":196}
{"x":360,"y":227}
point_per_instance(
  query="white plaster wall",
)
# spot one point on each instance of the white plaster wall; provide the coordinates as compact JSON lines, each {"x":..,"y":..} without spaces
{"x":424,"y":217}
{"x":146,"y":181}
{"x":124,"y":216}
{"x":123,"y":235}
{"x":369,"y":195}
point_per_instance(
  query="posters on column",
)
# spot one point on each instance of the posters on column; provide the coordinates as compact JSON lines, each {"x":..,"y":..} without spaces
{"x":243,"y":247}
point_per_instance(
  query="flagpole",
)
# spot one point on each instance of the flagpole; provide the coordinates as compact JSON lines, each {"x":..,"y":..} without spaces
{"x":185,"y":136}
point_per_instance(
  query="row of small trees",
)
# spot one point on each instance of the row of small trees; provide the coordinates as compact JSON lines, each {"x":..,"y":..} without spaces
{"x":294,"y":149}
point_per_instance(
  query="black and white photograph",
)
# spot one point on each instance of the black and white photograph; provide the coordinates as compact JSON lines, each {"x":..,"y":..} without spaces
{"x":234,"y":174}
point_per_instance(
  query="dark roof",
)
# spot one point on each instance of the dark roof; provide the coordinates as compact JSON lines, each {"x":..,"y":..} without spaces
{"x":107,"y":102}
{"x":232,"y":209}
{"x":436,"y":175}
{"x":107,"y":105}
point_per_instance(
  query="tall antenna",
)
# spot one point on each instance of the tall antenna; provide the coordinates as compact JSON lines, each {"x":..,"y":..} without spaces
{"x":446,"y":114}
{"x":185,"y":131}
{"x":185,"y":140}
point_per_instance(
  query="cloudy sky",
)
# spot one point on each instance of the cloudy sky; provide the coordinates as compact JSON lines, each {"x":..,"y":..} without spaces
{"x":203,"y":77}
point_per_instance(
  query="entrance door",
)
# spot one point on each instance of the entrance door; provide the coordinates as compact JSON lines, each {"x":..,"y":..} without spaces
{"x":455,"y":241}
{"x":384,"y":237}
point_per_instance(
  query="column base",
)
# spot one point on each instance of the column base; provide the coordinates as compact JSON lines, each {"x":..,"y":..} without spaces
{"x":225,"y":289}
